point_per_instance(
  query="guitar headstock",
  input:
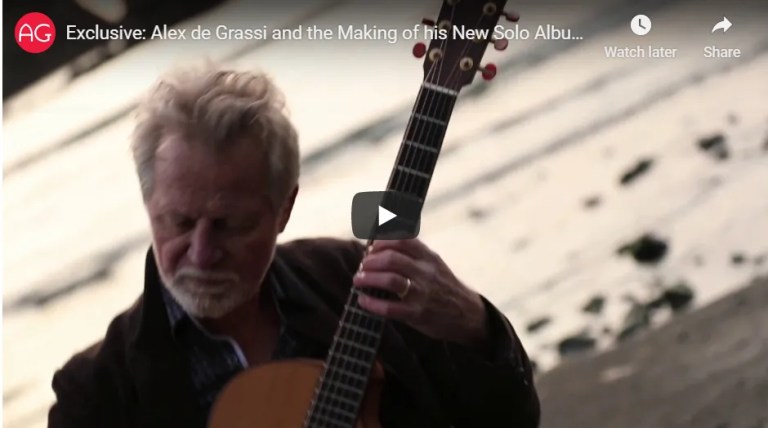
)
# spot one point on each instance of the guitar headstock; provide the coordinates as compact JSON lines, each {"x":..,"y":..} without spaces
{"x":462,"y":32}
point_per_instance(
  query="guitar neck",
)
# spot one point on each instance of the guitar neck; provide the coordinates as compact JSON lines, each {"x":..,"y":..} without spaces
{"x":352,"y":354}
{"x":423,"y":141}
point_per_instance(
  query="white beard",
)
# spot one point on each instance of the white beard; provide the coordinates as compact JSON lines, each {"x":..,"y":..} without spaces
{"x":205,"y":294}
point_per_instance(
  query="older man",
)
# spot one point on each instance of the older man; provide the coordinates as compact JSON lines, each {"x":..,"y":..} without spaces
{"x":218,"y":164}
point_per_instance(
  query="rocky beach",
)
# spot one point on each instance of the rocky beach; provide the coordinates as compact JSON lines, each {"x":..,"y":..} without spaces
{"x":613,"y":209}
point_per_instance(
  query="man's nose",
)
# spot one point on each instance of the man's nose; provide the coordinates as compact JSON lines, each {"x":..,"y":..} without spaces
{"x":203,"y":249}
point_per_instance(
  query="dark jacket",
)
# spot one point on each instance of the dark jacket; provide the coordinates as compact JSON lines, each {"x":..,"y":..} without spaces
{"x":136,"y":376}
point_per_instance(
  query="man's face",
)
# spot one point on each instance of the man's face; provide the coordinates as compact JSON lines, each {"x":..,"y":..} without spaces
{"x":214,"y":226}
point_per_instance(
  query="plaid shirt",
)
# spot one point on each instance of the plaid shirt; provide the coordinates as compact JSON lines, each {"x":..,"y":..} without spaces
{"x":215,"y":360}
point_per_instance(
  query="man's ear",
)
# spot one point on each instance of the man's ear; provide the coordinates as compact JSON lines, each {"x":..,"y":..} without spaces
{"x":287,"y":208}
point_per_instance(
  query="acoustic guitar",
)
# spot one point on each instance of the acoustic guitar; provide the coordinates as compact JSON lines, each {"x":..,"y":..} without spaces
{"x":343,"y":391}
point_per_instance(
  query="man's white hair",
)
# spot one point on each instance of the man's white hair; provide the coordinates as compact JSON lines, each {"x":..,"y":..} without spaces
{"x":218,"y":108}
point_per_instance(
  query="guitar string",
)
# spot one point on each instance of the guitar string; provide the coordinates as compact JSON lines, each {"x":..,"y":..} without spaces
{"x":413,"y":186}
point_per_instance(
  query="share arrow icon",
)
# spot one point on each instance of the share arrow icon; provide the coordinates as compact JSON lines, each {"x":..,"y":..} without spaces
{"x":724,"y":25}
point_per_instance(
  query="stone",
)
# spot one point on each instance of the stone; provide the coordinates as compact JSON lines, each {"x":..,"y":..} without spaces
{"x":594,"y":305}
{"x":637,"y":319}
{"x":576,"y":344}
{"x":738,"y":258}
{"x":538,"y":324}
{"x":592,"y":201}
{"x":715,"y":145}
{"x":647,"y":249}
{"x":641,"y":167}
{"x":679,"y":296}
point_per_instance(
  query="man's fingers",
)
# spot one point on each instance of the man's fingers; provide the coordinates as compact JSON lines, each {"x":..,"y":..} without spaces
{"x":392,"y":261}
{"x":381,"y":280}
{"x":395,"y":310}
{"x":410,"y":247}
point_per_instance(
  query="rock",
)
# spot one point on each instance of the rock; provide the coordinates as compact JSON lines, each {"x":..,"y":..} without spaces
{"x":759,"y":260}
{"x":592,"y":201}
{"x":679,"y":296}
{"x":595,"y":305}
{"x":520,"y":244}
{"x":715,"y":146}
{"x":638,"y":318}
{"x":648,"y":249}
{"x":738,"y":258}
{"x":641,"y":167}
{"x":576,"y":344}
{"x":477,"y":213}
{"x":538,"y":324}
{"x":657,"y":303}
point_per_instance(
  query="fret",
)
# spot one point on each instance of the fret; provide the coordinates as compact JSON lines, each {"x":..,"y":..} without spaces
{"x":366,"y":342}
{"x":412,"y":197}
{"x":355,"y":352}
{"x":360,"y":312}
{"x":331,"y":420}
{"x":358,"y":329}
{"x":346,"y":400}
{"x":422,"y":146}
{"x":414,"y":172}
{"x":430,"y":119}
{"x":349,"y":377}
{"x":354,"y":361}
{"x":363,"y":341}
{"x":356,"y":345}
{"x":338,"y":385}
{"x":329,"y":417}
{"x":425,"y":133}
{"x":409,"y":183}
{"x":332,"y":391}
{"x":435,"y":104}
{"x":335,"y":415}
{"x":359,"y":363}
{"x":439,"y":88}
{"x":419,"y":157}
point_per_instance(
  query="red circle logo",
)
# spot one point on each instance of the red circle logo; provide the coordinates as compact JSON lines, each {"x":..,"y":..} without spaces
{"x":35,"y":32}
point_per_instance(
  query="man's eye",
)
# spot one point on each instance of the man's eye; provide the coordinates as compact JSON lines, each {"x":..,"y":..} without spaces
{"x":182,"y":222}
{"x":235,"y":223}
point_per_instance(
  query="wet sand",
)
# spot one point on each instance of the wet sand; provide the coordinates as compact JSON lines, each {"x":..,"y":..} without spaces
{"x":707,"y":369}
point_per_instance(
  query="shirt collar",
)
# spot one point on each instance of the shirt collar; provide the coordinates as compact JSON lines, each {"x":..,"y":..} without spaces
{"x":176,"y":314}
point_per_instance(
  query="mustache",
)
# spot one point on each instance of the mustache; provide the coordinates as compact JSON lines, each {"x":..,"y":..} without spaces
{"x":205,"y":275}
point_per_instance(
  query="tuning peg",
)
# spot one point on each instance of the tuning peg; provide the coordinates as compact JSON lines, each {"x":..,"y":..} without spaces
{"x":511,"y":16}
{"x":500,"y":44}
{"x":488,"y":71}
{"x":428,"y":22}
{"x":419,"y":49}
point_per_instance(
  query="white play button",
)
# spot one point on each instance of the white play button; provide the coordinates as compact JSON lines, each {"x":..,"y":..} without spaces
{"x":371,"y":221}
{"x":385,"y":215}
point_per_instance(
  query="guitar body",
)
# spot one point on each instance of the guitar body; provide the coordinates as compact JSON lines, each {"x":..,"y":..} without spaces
{"x":277,"y":395}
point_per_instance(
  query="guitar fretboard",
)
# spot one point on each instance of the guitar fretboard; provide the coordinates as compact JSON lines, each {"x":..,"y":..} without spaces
{"x":352,"y":354}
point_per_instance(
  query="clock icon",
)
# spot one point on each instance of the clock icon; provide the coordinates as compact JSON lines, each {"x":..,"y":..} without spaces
{"x":641,"y":25}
